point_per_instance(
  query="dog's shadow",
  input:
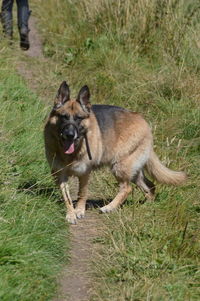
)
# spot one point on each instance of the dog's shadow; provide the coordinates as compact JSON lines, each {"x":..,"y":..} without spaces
{"x":93,"y":203}
{"x":32,"y":187}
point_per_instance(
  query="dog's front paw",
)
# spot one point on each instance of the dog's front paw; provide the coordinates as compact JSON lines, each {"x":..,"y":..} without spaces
{"x":80,"y":212}
{"x":106,"y":209}
{"x":71,"y":218}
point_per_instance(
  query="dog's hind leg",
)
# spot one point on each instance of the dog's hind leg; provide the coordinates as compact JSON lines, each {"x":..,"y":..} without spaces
{"x":125,"y":189}
{"x":145,"y":185}
{"x":82,"y":196}
{"x":125,"y":170}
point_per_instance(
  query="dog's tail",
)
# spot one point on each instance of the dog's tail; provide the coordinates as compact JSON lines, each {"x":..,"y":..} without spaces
{"x":163,"y":174}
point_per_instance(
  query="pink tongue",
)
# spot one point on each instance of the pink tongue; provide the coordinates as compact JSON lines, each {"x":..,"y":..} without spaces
{"x":70,"y":149}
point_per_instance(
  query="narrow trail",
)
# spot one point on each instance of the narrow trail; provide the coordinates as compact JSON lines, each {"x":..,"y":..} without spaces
{"x":75,"y":281}
{"x":35,"y":51}
{"x":35,"y":41}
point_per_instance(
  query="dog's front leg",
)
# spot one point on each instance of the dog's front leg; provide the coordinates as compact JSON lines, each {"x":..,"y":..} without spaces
{"x":71,"y":216}
{"x":82,"y":196}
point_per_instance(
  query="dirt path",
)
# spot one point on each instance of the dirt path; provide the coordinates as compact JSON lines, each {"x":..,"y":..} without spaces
{"x":75,"y":281}
{"x":35,"y":41}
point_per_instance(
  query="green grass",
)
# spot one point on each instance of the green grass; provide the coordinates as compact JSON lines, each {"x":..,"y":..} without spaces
{"x":33,"y":232}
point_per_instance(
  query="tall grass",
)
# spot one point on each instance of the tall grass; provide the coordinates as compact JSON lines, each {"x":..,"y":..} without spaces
{"x":33,"y":233}
{"x":155,"y":28}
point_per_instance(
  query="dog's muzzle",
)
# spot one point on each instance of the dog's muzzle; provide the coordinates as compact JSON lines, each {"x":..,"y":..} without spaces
{"x":69,"y":132}
{"x":69,"y":135}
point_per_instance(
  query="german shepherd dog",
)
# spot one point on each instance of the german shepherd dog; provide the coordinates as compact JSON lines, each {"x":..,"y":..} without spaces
{"x":80,"y":137}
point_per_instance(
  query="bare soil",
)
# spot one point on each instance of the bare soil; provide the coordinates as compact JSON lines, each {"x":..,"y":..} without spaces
{"x":75,"y":281}
{"x":35,"y":49}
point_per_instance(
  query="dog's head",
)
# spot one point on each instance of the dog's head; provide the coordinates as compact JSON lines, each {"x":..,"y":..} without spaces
{"x":70,"y":116}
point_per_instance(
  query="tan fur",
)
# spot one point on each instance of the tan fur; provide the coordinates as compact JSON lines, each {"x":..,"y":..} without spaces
{"x":127,"y":148}
{"x":163,"y":174}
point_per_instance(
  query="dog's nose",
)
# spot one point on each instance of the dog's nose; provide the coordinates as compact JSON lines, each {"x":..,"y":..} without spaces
{"x":70,"y":134}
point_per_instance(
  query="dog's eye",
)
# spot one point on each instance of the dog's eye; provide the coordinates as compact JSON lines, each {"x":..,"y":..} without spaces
{"x":78,"y":117}
{"x":66,"y":116}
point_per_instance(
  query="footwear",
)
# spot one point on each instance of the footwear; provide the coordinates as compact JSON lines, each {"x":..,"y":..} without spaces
{"x":23,"y":16}
{"x":24,"y":39}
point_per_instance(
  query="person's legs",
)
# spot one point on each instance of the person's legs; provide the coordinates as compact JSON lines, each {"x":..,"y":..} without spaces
{"x":23,"y":14}
{"x":6,"y":18}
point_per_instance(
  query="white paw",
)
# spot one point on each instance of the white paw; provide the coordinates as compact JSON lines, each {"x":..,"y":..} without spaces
{"x":71,"y":218}
{"x":106,"y":209}
{"x":80,"y":213}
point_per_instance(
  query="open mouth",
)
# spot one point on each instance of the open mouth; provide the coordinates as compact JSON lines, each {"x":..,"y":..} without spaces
{"x":69,"y":147}
{"x":69,"y":138}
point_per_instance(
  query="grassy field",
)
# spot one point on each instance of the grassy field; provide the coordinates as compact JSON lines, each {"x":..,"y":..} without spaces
{"x":144,"y":55}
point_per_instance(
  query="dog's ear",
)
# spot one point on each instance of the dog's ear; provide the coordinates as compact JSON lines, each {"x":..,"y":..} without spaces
{"x":63,"y":95}
{"x":84,"y":98}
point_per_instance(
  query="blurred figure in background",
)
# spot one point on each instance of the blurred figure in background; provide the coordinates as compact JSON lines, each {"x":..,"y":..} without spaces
{"x":23,"y":14}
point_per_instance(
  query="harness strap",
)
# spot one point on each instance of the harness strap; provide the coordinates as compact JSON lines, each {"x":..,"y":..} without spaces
{"x":87,"y":147}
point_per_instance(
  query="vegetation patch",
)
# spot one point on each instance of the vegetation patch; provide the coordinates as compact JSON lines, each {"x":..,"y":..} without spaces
{"x":33,"y":232}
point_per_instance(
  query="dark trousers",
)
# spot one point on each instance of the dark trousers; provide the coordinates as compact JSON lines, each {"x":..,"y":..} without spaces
{"x":22,"y":14}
